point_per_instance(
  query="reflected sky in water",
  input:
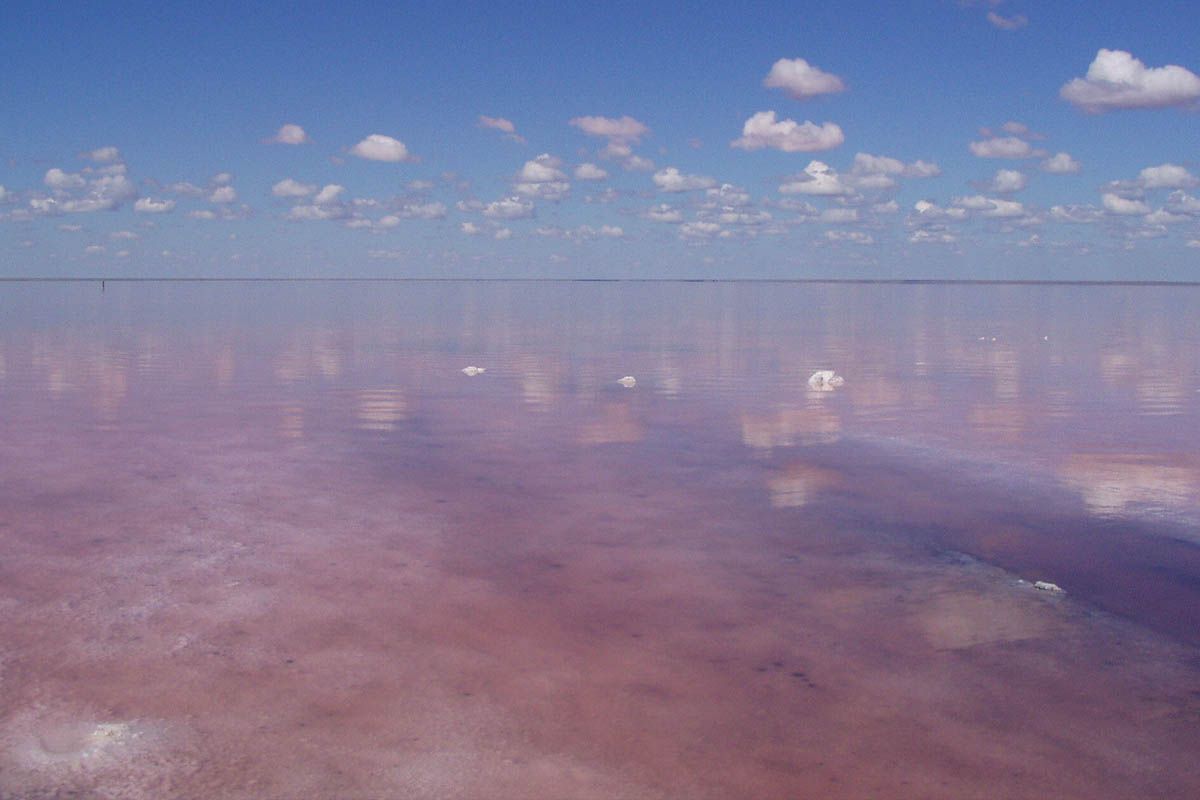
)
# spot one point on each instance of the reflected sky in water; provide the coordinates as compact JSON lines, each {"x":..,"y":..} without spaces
{"x":295,"y":484}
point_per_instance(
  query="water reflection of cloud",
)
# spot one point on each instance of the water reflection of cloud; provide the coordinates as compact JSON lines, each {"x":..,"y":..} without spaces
{"x":796,"y":484}
{"x":291,"y":422}
{"x":381,"y":409}
{"x":1112,"y":485}
{"x":788,"y":427}
{"x":617,"y":425}
{"x":1003,"y":421}
{"x":1160,"y":393}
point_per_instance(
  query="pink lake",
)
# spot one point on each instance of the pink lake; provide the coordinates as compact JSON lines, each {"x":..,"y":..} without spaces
{"x":267,"y":540}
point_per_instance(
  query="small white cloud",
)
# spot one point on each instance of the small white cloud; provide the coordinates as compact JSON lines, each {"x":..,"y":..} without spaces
{"x":328,"y":195}
{"x":699,"y":230}
{"x":1002,"y":147}
{"x":94,"y":249}
{"x":637,"y":164}
{"x":1074,"y":214}
{"x":469,"y":228}
{"x":55,"y":178}
{"x":1061,"y":164}
{"x":802,"y":80}
{"x":589,"y":172}
{"x":672,"y":180}
{"x":1013,"y":23}
{"x":103,"y":155}
{"x":1166,"y":176}
{"x":623,"y":129}
{"x":503,"y":125}
{"x":290,"y":134}
{"x":818,"y":178}
{"x":223,"y":194}
{"x":853,"y":237}
{"x":931,"y":237}
{"x":664,"y":213}
{"x":432,"y":210}
{"x":378,"y":147}
{"x":1007,"y":181}
{"x":123,"y":235}
{"x":1164,"y":217}
{"x":1117,"y":80}
{"x":728,"y":195}
{"x":1115,"y":204}
{"x":1183,"y":203}
{"x":185,"y":189}
{"x":222,"y":179}
{"x":148,"y":205}
{"x":543,"y":169}
{"x":991,"y":206}
{"x":839,"y":216}
{"x":502,"y":234}
{"x":292,"y":188}
{"x":763,"y":130}
{"x":509,"y":208}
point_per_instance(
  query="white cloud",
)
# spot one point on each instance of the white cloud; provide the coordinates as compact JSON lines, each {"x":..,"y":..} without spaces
{"x":543,"y":169}
{"x":4,"y":194}
{"x":509,"y":208}
{"x":469,"y":228}
{"x":103,"y":155}
{"x":55,"y":178}
{"x":931,"y":237}
{"x":802,"y":80}
{"x":853,"y":237}
{"x":1166,"y":176}
{"x":927,"y":210}
{"x":222,"y":179}
{"x":890,"y":207}
{"x":699,"y":230}
{"x":123,"y":235}
{"x":1007,"y":181}
{"x":637,"y":164}
{"x":292,"y":188}
{"x":990,"y":206}
{"x":1002,"y":147}
{"x":223,"y":194}
{"x":148,"y":205}
{"x":589,"y":172}
{"x":1117,"y":80}
{"x":433,"y":210}
{"x":328,"y":194}
{"x":1115,"y":204}
{"x":204,"y":214}
{"x":1164,"y":217}
{"x":1061,"y":164}
{"x":1183,"y":203}
{"x":728,"y":195}
{"x":290,"y":134}
{"x":582,"y":233}
{"x":185,"y":189}
{"x":818,"y":178}
{"x":664,"y":213}
{"x":378,"y":147}
{"x":94,"y":249}
{"x":763,"y":130}
{"x":554,"y":190}
{"x":1079,"y":215}
{"x":503,"y":125}
{"x":502,"y":234}
{"x":672,"y":180}
{"x":314,"y":212}
{"x":1013,"y":23}
{"x":623,"y":129}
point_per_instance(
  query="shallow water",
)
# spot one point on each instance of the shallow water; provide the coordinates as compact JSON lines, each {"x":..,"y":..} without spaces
{"x":269,"y":541}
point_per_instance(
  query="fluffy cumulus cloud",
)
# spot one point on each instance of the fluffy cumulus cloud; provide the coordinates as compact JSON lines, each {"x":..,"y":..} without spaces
{"x":1061,"y":164}
{"x":290,"y":134}
{"x":589,"y":172}
{"x":763,"y":130}
{"x":103,"y":155}
{"x":104,"y":189}
{"x":378,"y":147}
{"x":581,"y":233}
{"x":1013,"y":23}
{"x":1166,"y":176}
{"x":622,"y":129}
{"x":802,"y":80}
{"x":292,"y":188}
{"x":542,"y":177}
{"x":818,"y":178}
{"x":1117,"y":80}
{"x":149,"y":205}
{"x":1002,"y":147}
{"x":328,"y":195}
{"x":672,"y":180}
{"x":55,"y":178}
{"x":991,"y":207}
{"x":509,"y":208}
{"x":1123,"y":206}
{"x":664,"y":213}
{"x":223,"y":194}
{"x":1007,"y":181}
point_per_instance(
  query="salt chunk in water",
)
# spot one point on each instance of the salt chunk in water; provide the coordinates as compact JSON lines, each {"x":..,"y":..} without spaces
{"x":473,"y":371}
{"x":825,"y":380}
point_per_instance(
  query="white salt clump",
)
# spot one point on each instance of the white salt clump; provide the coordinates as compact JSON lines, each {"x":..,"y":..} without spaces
{"x":825,"y":380}
{"x":473,"y":371}
{"x":1046,"y":586}
{"x":628,"y":381}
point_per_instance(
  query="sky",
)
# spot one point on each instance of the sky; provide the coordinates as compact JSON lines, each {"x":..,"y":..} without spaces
{"x":936,"y":139}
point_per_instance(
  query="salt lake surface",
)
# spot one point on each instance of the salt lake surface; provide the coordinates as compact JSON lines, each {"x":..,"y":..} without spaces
{"x":269,"y":541}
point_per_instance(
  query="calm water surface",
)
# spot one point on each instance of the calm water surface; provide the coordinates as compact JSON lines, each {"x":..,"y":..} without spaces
{"x":269,"y":541}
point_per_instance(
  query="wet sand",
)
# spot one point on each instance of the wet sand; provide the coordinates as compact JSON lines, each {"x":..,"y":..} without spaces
{"x":385,"y":579}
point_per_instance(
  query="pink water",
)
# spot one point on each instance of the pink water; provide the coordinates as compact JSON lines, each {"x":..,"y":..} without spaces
{"x":269,"y":541}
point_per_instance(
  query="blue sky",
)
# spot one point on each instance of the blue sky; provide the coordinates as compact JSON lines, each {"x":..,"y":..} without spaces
{"x":927,"y":139}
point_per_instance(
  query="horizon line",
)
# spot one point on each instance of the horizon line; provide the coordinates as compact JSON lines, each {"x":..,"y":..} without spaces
{"x":393,"y":279}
